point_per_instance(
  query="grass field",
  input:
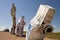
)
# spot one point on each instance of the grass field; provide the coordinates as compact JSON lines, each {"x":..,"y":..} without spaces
{"x":53,"y":35}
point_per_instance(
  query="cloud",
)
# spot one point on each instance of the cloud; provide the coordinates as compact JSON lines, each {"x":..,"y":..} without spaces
{"x":8,"y":27}
{"x":4,"y":27}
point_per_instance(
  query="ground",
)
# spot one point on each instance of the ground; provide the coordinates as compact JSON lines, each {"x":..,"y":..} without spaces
{"x":9,"y":36}
{"x":53,"y":36}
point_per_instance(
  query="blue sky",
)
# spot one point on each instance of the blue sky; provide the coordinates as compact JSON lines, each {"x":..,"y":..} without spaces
{"x":27,"y":8}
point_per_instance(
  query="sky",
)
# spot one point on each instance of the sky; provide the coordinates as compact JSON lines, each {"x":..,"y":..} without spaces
{"x":27,"y":8}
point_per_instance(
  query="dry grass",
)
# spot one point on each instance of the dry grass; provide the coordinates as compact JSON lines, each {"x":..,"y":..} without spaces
{"x":9,"y":36}
{"x":53,"y":35}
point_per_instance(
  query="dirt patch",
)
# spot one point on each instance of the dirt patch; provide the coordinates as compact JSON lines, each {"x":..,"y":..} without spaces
{"x":9,"y":36}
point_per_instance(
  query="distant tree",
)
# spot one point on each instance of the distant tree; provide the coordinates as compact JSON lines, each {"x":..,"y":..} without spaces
{"x":6,"y":30}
